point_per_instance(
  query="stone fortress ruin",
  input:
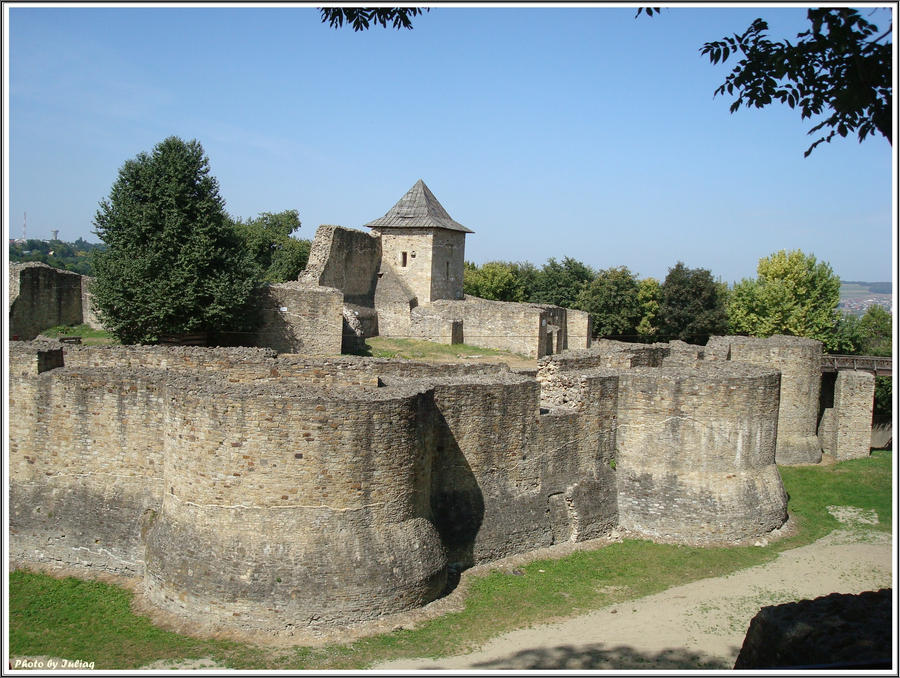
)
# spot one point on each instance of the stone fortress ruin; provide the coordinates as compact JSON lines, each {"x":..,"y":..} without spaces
{"x":265,"y":489}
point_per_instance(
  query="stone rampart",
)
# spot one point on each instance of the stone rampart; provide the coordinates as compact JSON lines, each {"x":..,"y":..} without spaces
{"x":800,"y":362}
{"x":286,"y":505}
{"x":579,"y":328}
{"x":85,"y":466}
{"x":519,"y":328}
{"x":261,"y":491}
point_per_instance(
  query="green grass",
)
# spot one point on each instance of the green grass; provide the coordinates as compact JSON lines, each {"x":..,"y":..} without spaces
{"x":92,"y":621}
{"x":88,"y":334}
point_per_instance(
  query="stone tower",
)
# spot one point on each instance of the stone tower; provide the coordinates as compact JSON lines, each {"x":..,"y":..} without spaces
{"x":423,"y":245}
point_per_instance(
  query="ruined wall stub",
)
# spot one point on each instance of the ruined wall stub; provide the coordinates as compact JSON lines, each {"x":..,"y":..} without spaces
{"x":845,"y":430}
{"x":295,"y":317}
{"x":345,"y":259}
{"x":800,"y":362}
{"x":41,"y":296}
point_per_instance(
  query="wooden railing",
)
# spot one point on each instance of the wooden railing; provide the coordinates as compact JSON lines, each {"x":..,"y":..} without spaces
{"x":878,"y":365}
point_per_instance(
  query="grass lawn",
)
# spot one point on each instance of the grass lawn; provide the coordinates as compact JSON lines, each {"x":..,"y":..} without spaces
{"x":92,"y":621}
{"x":89,"y":336}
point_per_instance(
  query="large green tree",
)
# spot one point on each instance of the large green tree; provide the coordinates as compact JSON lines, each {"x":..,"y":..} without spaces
{"x":793,"y":294}
{"x":279,"y":256}
{"x":614,"y":301}
{"x":560,"y":283}
{"x":173,"y":264}
{"x":691,"y":305}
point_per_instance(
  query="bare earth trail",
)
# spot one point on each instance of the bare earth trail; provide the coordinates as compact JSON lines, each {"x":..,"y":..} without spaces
{"x":698,"y":625}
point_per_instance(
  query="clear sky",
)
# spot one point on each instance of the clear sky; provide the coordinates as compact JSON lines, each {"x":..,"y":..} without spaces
{"x":550,"y":131}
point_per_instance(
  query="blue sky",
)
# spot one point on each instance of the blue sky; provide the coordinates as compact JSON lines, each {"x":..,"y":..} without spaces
{"x":549,"y":131}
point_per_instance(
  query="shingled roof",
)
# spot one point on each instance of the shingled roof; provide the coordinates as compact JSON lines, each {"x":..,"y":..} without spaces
{"x":418,"y":209}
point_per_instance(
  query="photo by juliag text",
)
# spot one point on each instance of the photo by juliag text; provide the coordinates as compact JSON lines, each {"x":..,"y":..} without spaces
{"x":51,"y":663}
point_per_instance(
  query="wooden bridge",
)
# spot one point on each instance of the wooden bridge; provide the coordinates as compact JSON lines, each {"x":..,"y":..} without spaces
{"x":877,"y":365}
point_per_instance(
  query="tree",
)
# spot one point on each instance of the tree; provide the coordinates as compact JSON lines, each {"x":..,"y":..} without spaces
{"x":691,"y":305}
{"x":840,"y":67}
{"x":362,"y":17}
{"x":613,"y":300}
{"x":279,"y":256}
{"x":561,"y":283}
{"x":172,"y":264}
{"x":875,"y":327}
{"x":497,"y":280}
{"x":793,"y":294}
{"x":648,"y":296}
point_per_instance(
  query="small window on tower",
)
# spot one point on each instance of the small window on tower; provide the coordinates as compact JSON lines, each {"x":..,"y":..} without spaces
{"x":403,"y":259}
{"x":448,"y":269}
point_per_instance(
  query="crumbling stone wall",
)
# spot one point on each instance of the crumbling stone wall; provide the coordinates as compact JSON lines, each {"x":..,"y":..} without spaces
{"x":88,"y":309}
{"x":845,"y":429}
{"x":41,"y":296}
{"x":345,"y":259}
{"x":800,"y":362}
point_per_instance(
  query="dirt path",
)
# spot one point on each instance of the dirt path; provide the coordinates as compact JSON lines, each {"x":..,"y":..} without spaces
{"x":698,"y":625}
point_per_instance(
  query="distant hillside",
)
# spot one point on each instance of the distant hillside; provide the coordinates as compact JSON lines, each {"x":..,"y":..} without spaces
{"x":856,"y":296}
{"x":69,"y":256}
{"x":873,"y":287}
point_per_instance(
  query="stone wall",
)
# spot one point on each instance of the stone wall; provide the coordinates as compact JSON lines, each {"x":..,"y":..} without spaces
{"x":260,"y":490}
{"x":88,"y":310}
{"x":845,"y":429}
{"x":41,"y":296}
{"x":85,"y":466}
{"x":800,"y":362}
{"x":504,"y":326}
{"x":296,"y":317}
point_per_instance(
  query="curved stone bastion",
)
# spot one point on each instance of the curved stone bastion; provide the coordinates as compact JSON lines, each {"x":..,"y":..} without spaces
{"x":695,"y":452}
{"x":289,"y":504}
{"x":263,"y":491}
{"x":800,"y":362}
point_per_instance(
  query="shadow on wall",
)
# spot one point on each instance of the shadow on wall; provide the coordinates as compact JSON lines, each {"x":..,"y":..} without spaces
{"x":457,"y":503}
{"x":601,"y":656}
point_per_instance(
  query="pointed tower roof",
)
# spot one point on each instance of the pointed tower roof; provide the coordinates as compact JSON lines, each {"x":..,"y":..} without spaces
{"x":418,"y":209}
